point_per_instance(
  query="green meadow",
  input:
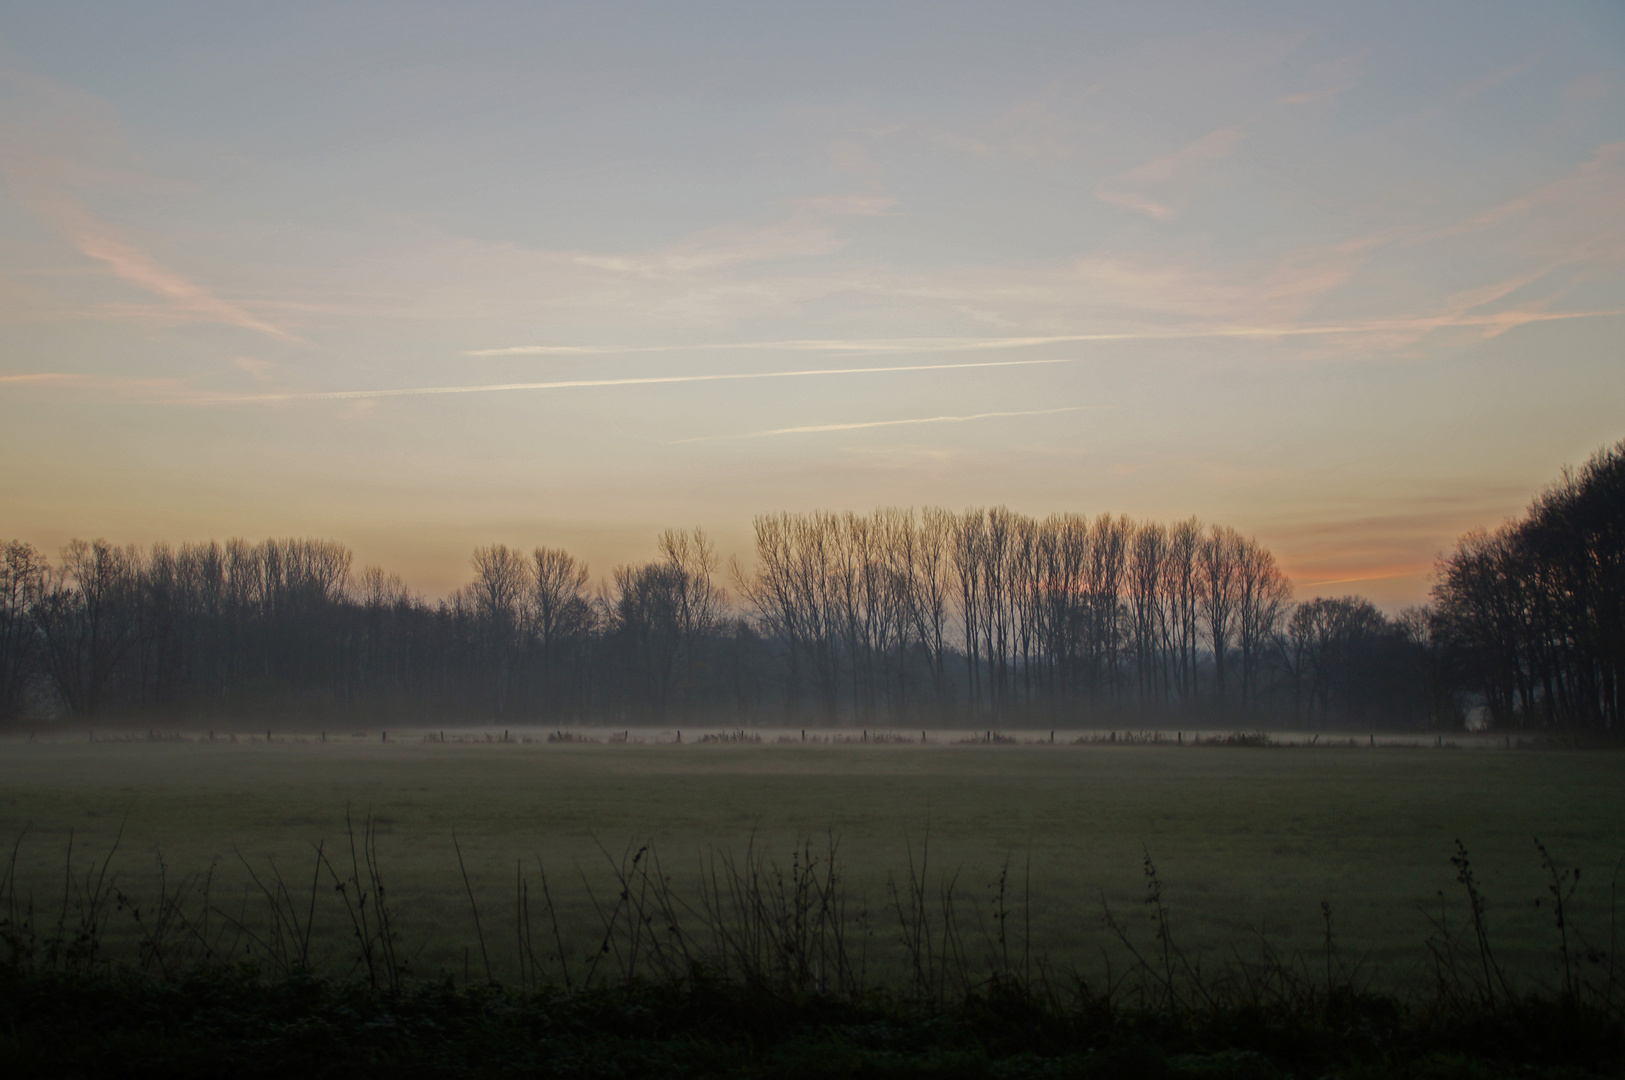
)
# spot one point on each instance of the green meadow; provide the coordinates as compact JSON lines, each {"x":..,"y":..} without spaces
{"x":1248,"y":842}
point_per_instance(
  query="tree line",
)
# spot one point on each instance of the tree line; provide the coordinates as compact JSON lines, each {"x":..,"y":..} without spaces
{"x":892,"y":617}
{"x":1532,"y":615}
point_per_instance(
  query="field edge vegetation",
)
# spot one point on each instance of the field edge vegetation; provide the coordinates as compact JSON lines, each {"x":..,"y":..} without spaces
{"x":764,"y":973}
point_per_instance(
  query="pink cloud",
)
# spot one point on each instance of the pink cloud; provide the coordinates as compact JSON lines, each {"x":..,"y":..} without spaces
{"x":1129,"y":201}
{"x":1601,"y":178}
{"x":1128,"y":189}
{"x":40,"y":188}
{"x":806,"y":231}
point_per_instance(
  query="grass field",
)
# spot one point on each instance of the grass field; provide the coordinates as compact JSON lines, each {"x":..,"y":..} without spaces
{"x":1244,"y":839}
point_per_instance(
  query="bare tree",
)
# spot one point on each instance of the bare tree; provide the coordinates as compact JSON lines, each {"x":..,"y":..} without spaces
{"x":1182,"y":586}
{"x":1329,"y":644}
{"x":501,"y":582}
{"x":1533,"y":614}
{"x":1064,"y":555}
{"x":381,"y":589}
{"x":560,"y":615}
{"x":892,"y":587}
{"x":998,"y":619}
{"x":1147,"y":612}
{"x":87,"y":619}
{"x":854,"y":590}
{"x":1264,"y":594}
{"x":855,"y":614}
{"x":1108,"y":553}
{"x":814,"y":543}
{"x":1219,"y":565}
{"x":969,"y":558}
{"x":771,"y":590}
{"x":23,"y":575}
{"x":928,"y":570}
{"x":700,"y":601}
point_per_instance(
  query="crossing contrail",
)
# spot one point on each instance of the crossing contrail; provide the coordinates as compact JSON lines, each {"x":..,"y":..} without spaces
{"x":650,"y":380}
{"x":972,"y":344}
{"x":815,"y":428}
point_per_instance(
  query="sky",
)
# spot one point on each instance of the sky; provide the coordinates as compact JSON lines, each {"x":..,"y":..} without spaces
{"x":1349,"y":278}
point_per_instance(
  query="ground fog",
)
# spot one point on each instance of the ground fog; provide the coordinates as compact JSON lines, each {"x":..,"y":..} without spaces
{"x":1247,"y":841}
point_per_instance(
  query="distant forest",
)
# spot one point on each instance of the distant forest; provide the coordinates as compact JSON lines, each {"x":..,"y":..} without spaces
{"x":891,"y":618}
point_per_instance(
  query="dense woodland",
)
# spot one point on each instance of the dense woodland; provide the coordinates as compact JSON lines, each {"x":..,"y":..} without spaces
{"x":895,"y":617}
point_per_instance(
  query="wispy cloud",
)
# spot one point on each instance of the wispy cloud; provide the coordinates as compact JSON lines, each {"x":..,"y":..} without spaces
{"x":1567,"y":230}
{"x":42,"y":378}
{"x":1601,"y":177}
{"x":1309,"y":97}
{"x":184,"y":391}
{"x":1045,"y":128}
{"x":1393,"y":538}
{"x":1591,"y":87}
{"x":707,"y":289}
{"x":806,"y":231}
{"x":1503,"y":74}
{"x":1336,"y":77}
{"x":655,"y":380}
{"x":40,"y":187}
{"x":56,"y":140}
{"x":835,"y":345}
{"x":1454,"y":317}
{"x":134,"y":388}
{"x":814,"y":429}
{"x":1382,"y":573}
{"x":1477,"y":87}
{"x":1129,"y":189}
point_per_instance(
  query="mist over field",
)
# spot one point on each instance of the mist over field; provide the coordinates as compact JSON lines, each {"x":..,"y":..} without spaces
{"x":1248,"y":840}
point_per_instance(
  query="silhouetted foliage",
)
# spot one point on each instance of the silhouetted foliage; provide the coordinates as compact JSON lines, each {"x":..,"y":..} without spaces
{"x":23,"y":576}
{"x":1351,"y":663}
{"x":1532,"y":616}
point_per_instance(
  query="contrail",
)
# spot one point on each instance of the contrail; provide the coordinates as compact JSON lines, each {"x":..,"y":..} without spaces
{"x":890,"y":423}
{"x":794,"y":345}
{"x":571,"y":384}
{"x":916,"y":345}
{"x":44,"y":377}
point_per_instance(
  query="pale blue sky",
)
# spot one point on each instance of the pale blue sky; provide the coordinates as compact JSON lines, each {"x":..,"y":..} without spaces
{"x":1346,"y":277}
